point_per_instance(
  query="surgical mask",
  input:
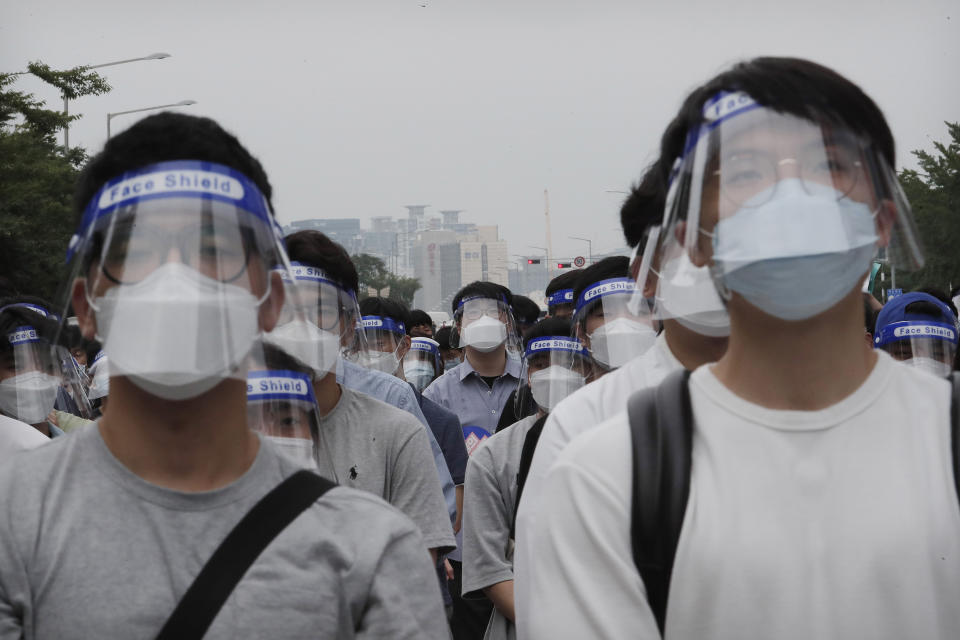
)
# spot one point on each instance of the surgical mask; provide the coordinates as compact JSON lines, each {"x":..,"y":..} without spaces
{"x":419,"y":374}
{"x":385,"y":361}
{"x":801,"y":251}
{"x":551,"y":385}
{"x":29,"y":397}
{"x":930,"y":365}
{"x":619,"y":341}
{"x":484,"y":334}
{"x":298,"y":449}
{"x":177,"y":333}
{"x":308,"y":343}
{"x":687,"y":294}
{"x":450,"y":364}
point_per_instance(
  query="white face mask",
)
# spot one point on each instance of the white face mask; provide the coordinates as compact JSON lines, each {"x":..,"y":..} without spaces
{"x":177,"y":334}
{"x":930,"y":365}
{"x":29,"y":397}
{"x":484,"y":334}
{"x":551,"y":385}
{"x":619,"y":341}
{"x":298,"y":449}
{"x":385,"y":361}
{"x":687,"y":294}
{"x":308,"y":343}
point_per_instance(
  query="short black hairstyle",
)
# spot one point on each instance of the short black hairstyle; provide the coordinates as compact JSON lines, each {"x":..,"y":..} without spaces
{"x":787,"y":85}
{"x":643,"y":208}
{"x":547,"y":327}
{"x":565,"y":280}
{"x":481,"y":289}
{"x":385,"y":308}
{"x":418,"y":317}
{"x":612,"y":267}
{"x":525,"y":310}
{"x":442,"y":336}
{"x":940,"y":295}
{"x":165,"y":137}
{"x":315,"y":249}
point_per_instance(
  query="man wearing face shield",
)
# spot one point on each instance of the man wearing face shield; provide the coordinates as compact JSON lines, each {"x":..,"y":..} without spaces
{"x":477,"y":391}
{"x":555,"y":365}
{"x":814,"y":462}
{"x":30,"y":372}
{"x":171,"y":270}
{"x":559,"y":293}
{"x":366,"y":444}
{"x":919,"y":331}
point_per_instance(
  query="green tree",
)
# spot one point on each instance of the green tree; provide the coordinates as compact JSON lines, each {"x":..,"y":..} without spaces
{"x":37,"y":178}
{"x":934,"y":195}
{"x":374,"y":275}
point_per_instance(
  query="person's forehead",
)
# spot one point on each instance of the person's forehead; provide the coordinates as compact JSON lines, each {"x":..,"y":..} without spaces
{"x":769,"y":137}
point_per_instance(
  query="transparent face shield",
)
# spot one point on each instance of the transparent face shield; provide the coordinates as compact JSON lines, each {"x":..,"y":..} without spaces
{"x":75,"y":381}
{"x":385,"y":339}
{"x":281,"y":405}
{"x":421,"y":364}
{"x":171,"y":272}
{"x":485,"y":324}
{"x":611,"y":324}
{"x":318,"y":322}
{"x":30,"y":371}
{"x":787,"y":212}
{"x":560,"y":303}
{"x":925,"y":344}
{"x":553,"y":368}
{"x":99,"y":375}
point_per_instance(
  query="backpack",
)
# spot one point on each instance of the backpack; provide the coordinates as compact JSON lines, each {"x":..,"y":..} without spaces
{"x":661,"y":433}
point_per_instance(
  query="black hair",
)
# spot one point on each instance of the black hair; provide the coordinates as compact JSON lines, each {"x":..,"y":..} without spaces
{"x":92,"y":348}
{"x":418,"y":317}
{"x":442,"y":336}
{"x":165,"y":137}
{"x":940,"y":295}
{"x":565,"y":280}
{"x":547,"y":327}
{"x":18,"y":316}
{"x":481,"y":289}
{"x":786,"y":85}
{"x":385,"y":308}
{"x":869,"y":316}
{"x":525,"y":310}
{"x":643,"y":208}
{"x":315,"y":249}
{"x":612,"y":267}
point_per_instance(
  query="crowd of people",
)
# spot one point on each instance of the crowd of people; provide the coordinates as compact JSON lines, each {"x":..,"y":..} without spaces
{"x":724,"y":435}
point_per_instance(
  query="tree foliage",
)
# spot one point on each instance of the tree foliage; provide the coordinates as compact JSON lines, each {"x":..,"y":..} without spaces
{"x":37,"y":178}
{"x":934,"y":195}
{"x":376,"y":278}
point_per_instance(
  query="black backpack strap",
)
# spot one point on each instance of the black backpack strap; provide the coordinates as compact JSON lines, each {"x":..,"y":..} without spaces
{"x":526,"y":459}
{"x":661,"y":432}
{"x":955,"y":430}
{"x":213,"y":585}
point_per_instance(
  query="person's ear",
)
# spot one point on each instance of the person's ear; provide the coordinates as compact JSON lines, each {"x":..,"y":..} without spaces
{"x":86,"y":318}
{"x":269,"y":311}
{"x":404,"y":347}
{"x":582,"y":336}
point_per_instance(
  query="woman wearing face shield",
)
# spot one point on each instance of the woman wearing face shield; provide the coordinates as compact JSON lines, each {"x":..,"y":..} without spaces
{"x":555,"y":365}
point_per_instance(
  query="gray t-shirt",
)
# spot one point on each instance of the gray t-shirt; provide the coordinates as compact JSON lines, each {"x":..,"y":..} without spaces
{"x":489,"y":496}
{"x":90,"y":550}
{"x":367,"y":444}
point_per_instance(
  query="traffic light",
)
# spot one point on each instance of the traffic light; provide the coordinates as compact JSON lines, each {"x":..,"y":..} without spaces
{"x":533,"y":260}
{"x":564,"y":265}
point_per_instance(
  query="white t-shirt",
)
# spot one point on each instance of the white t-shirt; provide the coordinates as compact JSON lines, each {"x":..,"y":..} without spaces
{"x":16,"y":435}
{"x":577,"y":414}
{"x":839,"y":523}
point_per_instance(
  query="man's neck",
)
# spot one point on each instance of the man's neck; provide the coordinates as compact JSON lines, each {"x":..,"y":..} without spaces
{"x":691,"y":348}
{"x":802,"y":366}
{"x":492,"y":363}
{"x":198,"y":444}
{"x":328,"y":392}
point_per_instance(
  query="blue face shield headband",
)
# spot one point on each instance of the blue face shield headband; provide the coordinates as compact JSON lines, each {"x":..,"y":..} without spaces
{"x":915,"y":329}
{"x":382,"y":323}
{"x":279,"y":385}
{"x":553,"y":343}
{"x":599,"y":290}
{"x":562,"y":296}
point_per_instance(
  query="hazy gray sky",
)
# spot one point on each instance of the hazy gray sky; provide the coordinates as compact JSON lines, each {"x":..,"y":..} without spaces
{"x":358,"y":108}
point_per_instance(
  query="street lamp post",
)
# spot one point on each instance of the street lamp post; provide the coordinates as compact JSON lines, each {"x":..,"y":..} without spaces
{"x":66,"y":101}
{"x":589,"y":248}
{"x":182,"y":103}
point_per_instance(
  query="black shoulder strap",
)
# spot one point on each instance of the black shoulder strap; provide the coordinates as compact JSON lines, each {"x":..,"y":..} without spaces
{"x":213,"y":585}
{"x":526,"y":459}
{"x":661,"y":432}
{"x":955,"y":430}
